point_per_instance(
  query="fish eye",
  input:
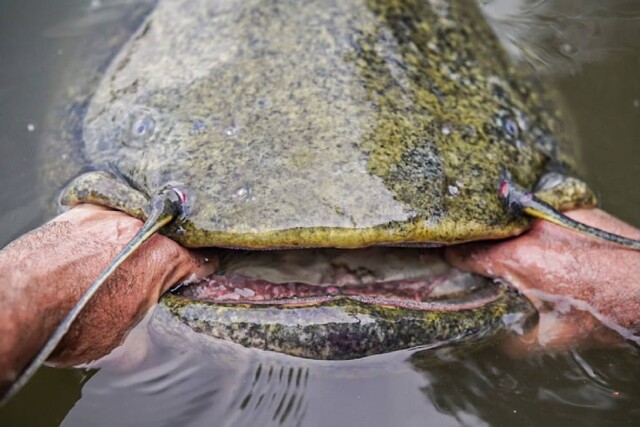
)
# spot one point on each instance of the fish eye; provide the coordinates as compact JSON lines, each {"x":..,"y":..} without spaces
{"x":143,"y":128}
{"x":511,"y":127}
{"x":508,"y":124}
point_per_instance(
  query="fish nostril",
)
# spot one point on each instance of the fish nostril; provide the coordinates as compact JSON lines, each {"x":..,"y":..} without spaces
{"x":181,"y":195}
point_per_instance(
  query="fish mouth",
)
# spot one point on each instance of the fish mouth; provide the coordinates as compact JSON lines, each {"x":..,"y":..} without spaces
{"x":404,"y":278}
{"x":344,"y":304}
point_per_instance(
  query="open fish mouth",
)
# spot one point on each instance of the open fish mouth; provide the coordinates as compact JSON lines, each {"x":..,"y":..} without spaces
{"x":416,"y":294}
{"x":404,"y":278}
{"x":345,"y":304}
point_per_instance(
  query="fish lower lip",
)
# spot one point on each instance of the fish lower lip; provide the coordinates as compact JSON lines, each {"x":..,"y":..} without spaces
{"x":340,"y":305}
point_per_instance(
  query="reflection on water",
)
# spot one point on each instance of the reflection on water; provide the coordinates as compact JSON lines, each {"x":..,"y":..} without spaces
{"x":589,"y":47}
{"x":193,"y":385}
{"x":182,"y":378}
{"x":587,"y":388}
{"x":191,"y":380}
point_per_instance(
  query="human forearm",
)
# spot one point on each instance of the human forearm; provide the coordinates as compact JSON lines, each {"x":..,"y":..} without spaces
{"x":597,"y":281}
{"x":45,"y":272}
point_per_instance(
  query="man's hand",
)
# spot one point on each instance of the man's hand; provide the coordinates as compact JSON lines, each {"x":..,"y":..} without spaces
{"x":588,"y":282}
{"x":44,"y":273}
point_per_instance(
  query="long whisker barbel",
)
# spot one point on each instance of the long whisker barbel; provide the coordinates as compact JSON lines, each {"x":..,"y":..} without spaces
{"x":517,"y":199}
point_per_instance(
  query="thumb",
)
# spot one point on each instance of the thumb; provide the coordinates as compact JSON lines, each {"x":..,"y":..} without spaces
{"x":187,"y":266}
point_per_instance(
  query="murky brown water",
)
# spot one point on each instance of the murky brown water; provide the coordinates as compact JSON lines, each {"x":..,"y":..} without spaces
{"x":590,"y":48}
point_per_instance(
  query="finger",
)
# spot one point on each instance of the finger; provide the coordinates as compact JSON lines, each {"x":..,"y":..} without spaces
{"x":186,"y":265}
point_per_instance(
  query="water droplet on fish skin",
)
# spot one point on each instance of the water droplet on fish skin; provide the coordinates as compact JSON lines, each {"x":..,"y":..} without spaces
{"x":446,"y":130}
{"x":231,"y":131}
{"x":522,"y":121}
{"x":243,"y":193}
{"x":550,"y":180}
{"x":31,"y":127}
{"x":180,"y":231}
{"x":454,"y":191}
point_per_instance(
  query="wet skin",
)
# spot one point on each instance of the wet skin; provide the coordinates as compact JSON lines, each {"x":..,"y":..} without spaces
{"x":45,"y":272}
{"x":585,"y":289}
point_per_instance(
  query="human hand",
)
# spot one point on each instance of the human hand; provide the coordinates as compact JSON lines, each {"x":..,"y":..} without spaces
{"x":587,"y":282}
{"x":44,"y":273}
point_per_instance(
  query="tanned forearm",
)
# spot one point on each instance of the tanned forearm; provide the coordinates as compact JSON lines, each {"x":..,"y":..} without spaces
{"x":45,"y":272}
{"x":595,"y":284}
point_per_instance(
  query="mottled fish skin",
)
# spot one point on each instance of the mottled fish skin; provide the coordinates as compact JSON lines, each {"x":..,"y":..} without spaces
{"x":324,"y":123}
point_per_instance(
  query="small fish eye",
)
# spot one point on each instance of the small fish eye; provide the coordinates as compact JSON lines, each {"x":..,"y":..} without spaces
{"x":511,"y":127}
{"x":143,"y":128}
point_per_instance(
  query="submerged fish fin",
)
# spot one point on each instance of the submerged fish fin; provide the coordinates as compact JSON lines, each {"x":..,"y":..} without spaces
{"x":164,"y":208}
{"x":517,"y":200}
{"x":101,"y":188}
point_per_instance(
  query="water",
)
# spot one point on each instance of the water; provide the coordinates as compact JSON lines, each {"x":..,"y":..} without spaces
{"x":590,"y":48}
